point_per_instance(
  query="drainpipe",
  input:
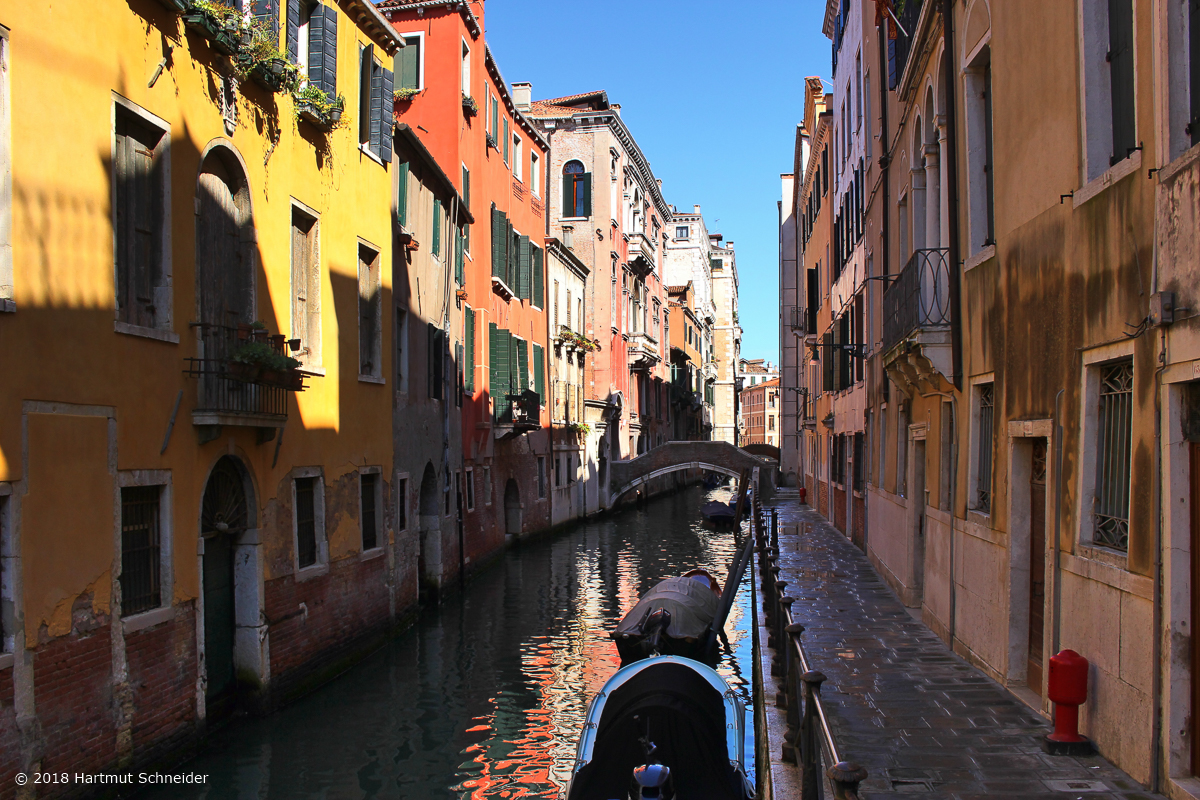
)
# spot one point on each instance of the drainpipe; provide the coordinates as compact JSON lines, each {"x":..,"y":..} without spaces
{"x":1156,"y":690}
{"x":1058,"y":453}
{"x":952,"y":188}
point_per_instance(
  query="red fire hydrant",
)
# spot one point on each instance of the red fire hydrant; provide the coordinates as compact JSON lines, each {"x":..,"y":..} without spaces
{"x":1067,"y":689}
{"x":803,"y":495}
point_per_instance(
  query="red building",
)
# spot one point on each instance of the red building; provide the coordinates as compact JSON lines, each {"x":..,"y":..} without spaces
{"x":450,"y":93}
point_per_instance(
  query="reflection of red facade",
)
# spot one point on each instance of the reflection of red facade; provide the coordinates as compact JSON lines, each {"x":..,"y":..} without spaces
{"x":464,"y":115}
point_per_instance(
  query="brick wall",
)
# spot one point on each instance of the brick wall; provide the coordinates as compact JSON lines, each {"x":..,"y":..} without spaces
{"x":10,"y":738}
{"x":344,"y":606}
{"x":823,"y":499}
{"x":162,"y":676}
{"x":839,"y":508}
{"x":74,"y":700}
{"x":860,"y":523}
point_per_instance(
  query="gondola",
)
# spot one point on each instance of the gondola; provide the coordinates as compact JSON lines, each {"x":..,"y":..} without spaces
{"x":664,"y":727}
{"x":673,"y":618}
{"x":718,"y":514}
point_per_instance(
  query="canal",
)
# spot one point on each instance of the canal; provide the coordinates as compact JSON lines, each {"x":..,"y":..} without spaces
{"x":484,"y":695}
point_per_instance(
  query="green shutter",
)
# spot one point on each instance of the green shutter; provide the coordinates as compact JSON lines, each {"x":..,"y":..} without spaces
{"x":501,"y":384}
{"x":506,"y":140}
{"x":521,"y":371}
{"x":524,"y":268}
{"x":469,"y":336}
{"x":408,"y":62}
{"x":493,"y":361}
{"x":458,"y":256}
{"x":539,"y":374}
{"x":436,"y":247}
{"x":568,"y":196}
{"x":498,"y":228}
{"x":510,"y":257}
{"x":587,"y":194}
{"x":402,"y":194}
{"x":539,"y":280}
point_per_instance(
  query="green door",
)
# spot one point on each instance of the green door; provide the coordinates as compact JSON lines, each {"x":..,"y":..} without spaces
{"x":224,"y":516}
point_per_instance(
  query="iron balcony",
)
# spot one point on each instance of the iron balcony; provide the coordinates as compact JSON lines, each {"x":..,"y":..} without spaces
{"x":919,"y":298}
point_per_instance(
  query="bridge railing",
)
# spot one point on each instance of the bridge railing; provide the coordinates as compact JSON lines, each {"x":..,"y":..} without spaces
{"x":809,"y":741}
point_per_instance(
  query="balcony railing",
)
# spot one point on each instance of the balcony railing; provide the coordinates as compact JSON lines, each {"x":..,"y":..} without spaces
{"x":220,"y":393}
{"x":797,"y":318}
{"x":919,"y":298}
{"x":641,"y":254}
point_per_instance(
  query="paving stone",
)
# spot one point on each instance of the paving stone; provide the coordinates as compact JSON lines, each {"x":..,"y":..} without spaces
{"x":921,"y":720}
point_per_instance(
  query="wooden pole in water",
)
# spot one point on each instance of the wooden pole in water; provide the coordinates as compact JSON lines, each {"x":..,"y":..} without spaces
{"x":741,"y":497}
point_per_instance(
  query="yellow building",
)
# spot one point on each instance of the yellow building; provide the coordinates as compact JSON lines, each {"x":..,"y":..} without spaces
{"x":179,"y":527}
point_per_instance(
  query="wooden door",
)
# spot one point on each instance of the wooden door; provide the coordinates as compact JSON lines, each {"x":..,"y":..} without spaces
{"x":1037,"y":563}
{"x":224,"y":516}
{"x":224,"y":275}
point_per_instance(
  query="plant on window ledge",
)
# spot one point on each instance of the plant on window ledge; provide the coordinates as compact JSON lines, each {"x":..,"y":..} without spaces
{"x":577,"y":340}
{"x":226,"y":28}
{"x":315,"y":106}
{"x":403,"y":94}
{"x":262,"y":61}
{"x":470,"y":107}
{"x":581,"y":428}
{"x":491,"y":142}
{"x":256,"y":361}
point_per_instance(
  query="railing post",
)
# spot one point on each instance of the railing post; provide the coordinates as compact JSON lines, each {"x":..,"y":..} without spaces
{"x":810,"y":741}
{"x":793,"y":698}
{"x":773,"y":616}
{"x":783,"y":694}
{"x":845,"y":777}
{"x":775,"y":529}
{"x":782,"y":619}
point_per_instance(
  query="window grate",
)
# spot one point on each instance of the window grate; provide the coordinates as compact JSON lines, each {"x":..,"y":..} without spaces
{"x":141,"y":587}
{"x":306,"y":522}
{"x":983,"y":494}
{"x":1112,"y":479}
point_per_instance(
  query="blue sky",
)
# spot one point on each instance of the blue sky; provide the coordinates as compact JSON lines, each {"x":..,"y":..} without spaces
{"x":712,"y":92}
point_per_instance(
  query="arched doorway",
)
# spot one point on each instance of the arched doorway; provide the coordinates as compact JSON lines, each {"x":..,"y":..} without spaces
{"x":224,"y":241}
{"x":512,"y":508}
{"x":225,"y":514}
{"x":429,"y":545}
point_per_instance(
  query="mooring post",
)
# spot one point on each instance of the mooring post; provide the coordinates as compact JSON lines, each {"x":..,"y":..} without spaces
{"x":792,"y":686}
{"x":810,"y":742}
{"x":782,"y":620}
{"x":845,"y":777}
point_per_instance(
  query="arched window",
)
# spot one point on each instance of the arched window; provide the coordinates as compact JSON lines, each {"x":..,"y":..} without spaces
{"x":577,"y":190}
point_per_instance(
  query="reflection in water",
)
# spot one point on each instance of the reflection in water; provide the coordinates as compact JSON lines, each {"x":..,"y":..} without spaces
{"x":484,"y":696}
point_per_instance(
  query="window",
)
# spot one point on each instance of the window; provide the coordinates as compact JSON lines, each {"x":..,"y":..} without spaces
{"x":1192,"y":128}
{"x":374,"y":105}
{"x":980,"y":168}
{"x":312,"y":42}
{"x":370,"y":312}
{"x":534,"y":173}
{"x":577,"y":190}
{"x":495,"y":118}
{"x":435,"y":339}
{"x":466,"y":70}
{"x":541,"y":477}
{"x":859,"y":464}
{"x":402,"y":503}
{"x":1114,"y":429}
{"x":408,"y":63}
{"x":308,"y":503}
{"x":1121,"y":78}
{"x":866,"y":99}
{"x":507,"y":140}
{"x":487,"y":485}
{"x":516,"y":162}
{"x":6,"y":272}
{"x":469,"y":351}
{"x":681,"y":231}
{"x":435,"y":233}
{"x":984,"y":402}
{"x":458,"y":494}
{"x":557,"y":471}
{"x":858,"y":91}
{"x":470,"y":489}
{"x":371,"y":502}
{"x":446,"y":492}
{"x":1109,"y":90}
{"x":140,"y":214}
{"x":401,"y":339}
{"x":306,"y":286}
{"x":142,"y":565}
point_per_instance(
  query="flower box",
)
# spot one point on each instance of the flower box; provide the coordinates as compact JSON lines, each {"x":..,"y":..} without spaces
{"x":321,"y":118}
{"x":224,"y":38}
{"x":491,"y":142}
{"x":290,"y":379}
{"x":249,"y":373}
{"x":470,"y":107}
{"x":272,"y":74}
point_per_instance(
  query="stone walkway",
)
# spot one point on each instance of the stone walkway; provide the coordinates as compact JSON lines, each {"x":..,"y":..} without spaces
{"x":918,"y":717}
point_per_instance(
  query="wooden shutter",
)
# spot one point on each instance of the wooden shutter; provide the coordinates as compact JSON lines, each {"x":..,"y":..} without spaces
{"x":510,"y":256}
{"x":439,"y":362}
{"x":498,"y":233}
{"x":493,"y":361}
{"x":376,"y":104}
{"x":430,"y":349}
{"x":539,"y":279}
{"x":539,"y":374}
{"x":507,"y":139}
{"x":367,"y":128}
{"x":138,"y":220}
{"x":458,"y":256}
{"x":521,"y":371}
{"x":293,"y":30}
{"x":402,"y":194}
{"x":501,"y":377}
{"x":436,"y":237}
{"x":587,"y":194}
{"x":460,"y":380}
{"x":408,"y":64}
{"x":469,"y":350}
{"x":827,"y":361}
{"x":1120,"y":57}
{"x":316,"y":48}
{"x":329,"y":47}
{"x":524,"y":268}
{"x":568,"y":195}
{"x":388,"y":118}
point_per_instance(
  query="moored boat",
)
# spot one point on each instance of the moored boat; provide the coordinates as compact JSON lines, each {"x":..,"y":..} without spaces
{"x":673,"y":618}
{"x":664,"y":727}
{"x":718,"y":513}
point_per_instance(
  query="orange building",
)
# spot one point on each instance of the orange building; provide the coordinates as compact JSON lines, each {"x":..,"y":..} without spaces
{"x":450,"y":92}
{"x":759,"y":409}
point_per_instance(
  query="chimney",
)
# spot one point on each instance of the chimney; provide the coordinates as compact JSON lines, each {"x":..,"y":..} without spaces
{"x":522,"y":95}
{"x":695,"y":209}
{"x":616,"y":107}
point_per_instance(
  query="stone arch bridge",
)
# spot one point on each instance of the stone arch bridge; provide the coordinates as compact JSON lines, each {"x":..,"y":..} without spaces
{"x":669,"y":457}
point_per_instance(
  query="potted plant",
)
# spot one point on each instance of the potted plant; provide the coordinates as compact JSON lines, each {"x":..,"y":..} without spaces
{"x":262,"y":61}
{"x":261,"y":362}
{"x":316,"y":107}
{"x":403,"y":95}
{"x":581,"y":429}
{"x":470,"y":107}
{"x":226,"y":28}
